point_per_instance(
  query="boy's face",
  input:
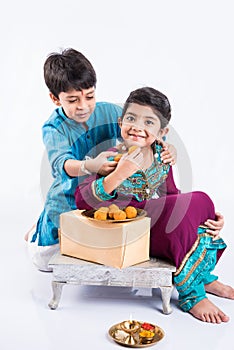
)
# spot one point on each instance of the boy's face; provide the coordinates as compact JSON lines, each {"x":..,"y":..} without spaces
{"x":77,"y":105}
{"x":140,"y":126}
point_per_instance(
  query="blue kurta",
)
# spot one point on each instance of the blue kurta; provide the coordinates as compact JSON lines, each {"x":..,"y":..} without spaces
{"x":66,"y":139}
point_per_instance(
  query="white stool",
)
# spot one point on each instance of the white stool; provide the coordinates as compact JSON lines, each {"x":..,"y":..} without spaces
{"x":153,"y":274}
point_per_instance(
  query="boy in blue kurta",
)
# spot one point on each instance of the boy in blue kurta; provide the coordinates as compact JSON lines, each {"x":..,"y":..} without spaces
{"x":74,"y":135}
{"x":77,"y":128}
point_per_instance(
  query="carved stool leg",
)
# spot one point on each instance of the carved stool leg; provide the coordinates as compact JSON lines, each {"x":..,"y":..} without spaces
{"x":166,"y":297}
{"x":57,"y":291}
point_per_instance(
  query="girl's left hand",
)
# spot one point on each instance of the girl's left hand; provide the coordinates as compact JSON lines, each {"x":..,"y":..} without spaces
{"x":168,"y":154}
{"x":215,"y":226}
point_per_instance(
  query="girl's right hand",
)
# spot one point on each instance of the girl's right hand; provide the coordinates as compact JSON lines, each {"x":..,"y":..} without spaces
{"x":127,"y":165}
{"x":130,"y":163}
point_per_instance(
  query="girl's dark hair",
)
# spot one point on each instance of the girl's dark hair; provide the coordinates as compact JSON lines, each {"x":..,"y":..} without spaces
{"x":148,"y":96}
{"x":68,"y":70}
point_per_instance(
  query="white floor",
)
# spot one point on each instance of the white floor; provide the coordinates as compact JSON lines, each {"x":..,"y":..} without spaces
{"x":86,"y":313}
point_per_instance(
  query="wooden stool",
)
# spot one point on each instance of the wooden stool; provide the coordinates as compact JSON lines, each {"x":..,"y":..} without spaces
{"x":153,"y":274}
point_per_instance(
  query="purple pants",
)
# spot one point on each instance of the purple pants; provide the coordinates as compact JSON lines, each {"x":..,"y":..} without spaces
{"x":174,"y":223}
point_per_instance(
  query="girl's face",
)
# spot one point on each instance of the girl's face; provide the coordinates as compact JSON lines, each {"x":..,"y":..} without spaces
{"x":140,"y":126}
{"x":77,"y":105}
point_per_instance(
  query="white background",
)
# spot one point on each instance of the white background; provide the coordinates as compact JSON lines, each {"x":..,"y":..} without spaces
{"x":183,"y":48}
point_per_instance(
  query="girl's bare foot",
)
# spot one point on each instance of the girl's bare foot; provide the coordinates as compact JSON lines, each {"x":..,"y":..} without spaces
{"x":206,"y":311}
{"x":220,"y":289}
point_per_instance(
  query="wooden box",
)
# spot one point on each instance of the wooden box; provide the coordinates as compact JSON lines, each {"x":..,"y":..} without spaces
{"x":119,"y":245}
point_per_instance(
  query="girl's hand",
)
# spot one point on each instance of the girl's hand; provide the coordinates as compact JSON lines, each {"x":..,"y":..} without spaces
{"x":215,"y":226}
{"x":127,"y":165}
{"x":168,"y":153}
{"x":130,"y":163}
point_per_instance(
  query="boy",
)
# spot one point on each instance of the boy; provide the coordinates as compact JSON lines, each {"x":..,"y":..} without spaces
{"x":78,"y":128}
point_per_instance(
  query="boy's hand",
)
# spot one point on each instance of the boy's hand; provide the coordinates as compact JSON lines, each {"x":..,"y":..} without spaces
{"x":168,"y":153}
{"x":107,"y":167}
{"x":215,"y":226}
{"x":100,"y":164}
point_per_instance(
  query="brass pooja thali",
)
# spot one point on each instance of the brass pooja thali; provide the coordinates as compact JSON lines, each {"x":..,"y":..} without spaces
{"x":90,"y":215}
{"x":136,"y":334}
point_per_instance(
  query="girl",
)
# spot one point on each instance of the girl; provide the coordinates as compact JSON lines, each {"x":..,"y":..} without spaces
{"x":184,"y":226}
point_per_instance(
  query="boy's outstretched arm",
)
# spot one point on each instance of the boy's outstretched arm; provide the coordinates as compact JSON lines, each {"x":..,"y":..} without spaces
{"x":100,"y":164}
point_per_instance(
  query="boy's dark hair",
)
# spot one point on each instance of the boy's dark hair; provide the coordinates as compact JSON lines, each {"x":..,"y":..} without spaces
{"x":68,"y":70}
{"x":148,"y":96}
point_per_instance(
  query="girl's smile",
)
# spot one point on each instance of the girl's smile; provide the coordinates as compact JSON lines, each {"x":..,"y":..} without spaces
{"x":140,"y":126}
{"x":136,"y":137}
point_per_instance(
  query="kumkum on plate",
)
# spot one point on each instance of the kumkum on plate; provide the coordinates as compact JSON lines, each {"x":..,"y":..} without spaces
{"x":133,"y":339}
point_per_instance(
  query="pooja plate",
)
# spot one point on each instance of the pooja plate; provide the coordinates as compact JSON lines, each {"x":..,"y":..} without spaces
{"x":141,"y":213}
{"x":119,"y":336}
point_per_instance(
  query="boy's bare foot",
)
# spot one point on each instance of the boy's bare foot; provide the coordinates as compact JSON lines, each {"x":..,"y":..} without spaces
{"x":206,"y":311}
{"x":27,"y":234}
{"x":220,"y":289}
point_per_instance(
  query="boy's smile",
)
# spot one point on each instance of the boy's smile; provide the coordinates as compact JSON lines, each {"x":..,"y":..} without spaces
{"x":77,"y":105}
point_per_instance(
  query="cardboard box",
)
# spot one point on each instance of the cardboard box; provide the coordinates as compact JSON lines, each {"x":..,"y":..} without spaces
{"x":113,"y":244}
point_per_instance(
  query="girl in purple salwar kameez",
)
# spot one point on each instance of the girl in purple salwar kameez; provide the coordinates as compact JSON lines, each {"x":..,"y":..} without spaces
{"x":184,"y":226}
